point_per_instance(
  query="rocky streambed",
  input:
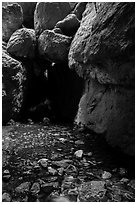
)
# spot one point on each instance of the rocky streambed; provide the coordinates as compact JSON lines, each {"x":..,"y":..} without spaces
{"x":47,"y":162}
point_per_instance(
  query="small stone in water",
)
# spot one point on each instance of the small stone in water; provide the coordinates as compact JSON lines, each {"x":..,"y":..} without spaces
{"x":79,"y":142}
{"x":78,"y":153}
{"x":6,"y":197}
{"x":35,"y":189}
{"x":6,"y":177}
{"x":23,"y":187}
{"x":52,"y":171}
{"x":106,"y":175}
{"x":43,"y":162}
{"x":122,"y":171}
{"x":5,"y":172}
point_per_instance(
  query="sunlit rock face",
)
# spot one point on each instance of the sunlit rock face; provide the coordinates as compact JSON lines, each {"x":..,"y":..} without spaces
{"x":102,"y":52}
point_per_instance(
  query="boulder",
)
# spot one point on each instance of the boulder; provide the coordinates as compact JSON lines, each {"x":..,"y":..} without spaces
{"x":13,"y":78}
{"x":54,"y":46}
{"x":69,"y":25}
{"x":22,"y":43}
{"x":28,"y":12}
{"x":79,"y":9}
{"x":43,"y":15}
{"x":102,"y":52}
{"x":12,"y":18}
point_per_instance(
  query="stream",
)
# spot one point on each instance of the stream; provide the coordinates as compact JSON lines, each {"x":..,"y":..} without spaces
{"x":43,"y":162}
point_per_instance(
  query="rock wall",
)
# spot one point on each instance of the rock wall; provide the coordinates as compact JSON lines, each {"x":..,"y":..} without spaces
{"x":102,"y":52}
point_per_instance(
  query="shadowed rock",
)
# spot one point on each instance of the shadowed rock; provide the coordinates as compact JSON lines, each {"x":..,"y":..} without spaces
{"x":47,"y":14}
{"x":12,"y":18}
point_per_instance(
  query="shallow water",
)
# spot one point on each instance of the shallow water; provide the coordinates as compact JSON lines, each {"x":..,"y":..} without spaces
{"x":25,"y":144}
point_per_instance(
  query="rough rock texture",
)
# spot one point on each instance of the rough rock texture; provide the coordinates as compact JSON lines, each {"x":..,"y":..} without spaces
{"x":69,"y":25}
{"x":28,"y":12}
{"x":13,"y":78}
{"x":22,"y":43}
{"x":12,"y":18}
{"x":79,"y":9}
{"x":43,"y":15}
{"x":54,"y":46}
{"x":102,"y":52}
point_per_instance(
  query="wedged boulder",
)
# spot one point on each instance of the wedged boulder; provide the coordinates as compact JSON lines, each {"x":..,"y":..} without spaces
{"x":53,"y":46}
{"x":22,"y":43}
{"x":12,"y":18}
{"x":102,"y":52}
{"x":43,"y":15}
{"x":13,"y":79}
{"x":69,"y":25}
{"x":79,"y":9}
{"x":28,"y":9}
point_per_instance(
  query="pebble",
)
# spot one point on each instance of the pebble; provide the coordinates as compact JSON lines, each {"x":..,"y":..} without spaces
{"x":6,"y":197}
{"x":52,"y":171}
{"x":106,"y":175}
{"x":78,"y":154}
{"x":6,"y":177}
{"x":35,"y":189}
{"x":43,"y":162}
{"x":79,"y":142}
{"x":122,"y":171}
{"x":23,"y":187}
{"x":6,"y":171}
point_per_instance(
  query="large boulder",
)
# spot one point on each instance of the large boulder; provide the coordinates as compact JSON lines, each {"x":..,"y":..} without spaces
{"x":102,"y":52}
{"x":13,"y":79}
{"x":47,"y":14}
{"x":12,"y":18}
{"x":69,"y":25}
{"x":22,"y":43}
{"x":54,"y":46}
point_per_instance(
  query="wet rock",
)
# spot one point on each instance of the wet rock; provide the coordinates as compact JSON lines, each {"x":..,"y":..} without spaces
{"x":43,"y":162}
{"x":6,"y":197}
{"x":78,"y":154}
{"x":72,"y":194}
{"x":43,"y":15}
{"x":60,"y":199}
{"x":53,"y":46}
{"x":35,"y":189}
{"x":79,"y":9}
{"x":22,"y":43}
{"x":107,"y":91}
{"x":91,"y":191}
{"x":69,"y":25}
{"x":23,"y":188}
{"x":13,"y":80}
{"x":12,"y":18}
{"x":106,"y":175}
